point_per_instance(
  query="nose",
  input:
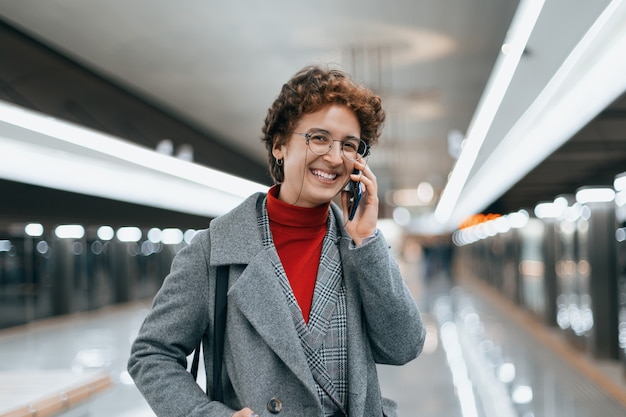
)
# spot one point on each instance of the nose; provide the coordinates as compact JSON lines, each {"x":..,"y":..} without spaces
{"x":334,"y":154}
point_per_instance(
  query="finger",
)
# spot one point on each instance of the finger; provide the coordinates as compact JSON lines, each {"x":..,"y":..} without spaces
{"x":365,"y":170}
{"x":357,"y":177}
{"x":245,"y":412}
{"x":360,"y":165}
{"x":368,"y":182}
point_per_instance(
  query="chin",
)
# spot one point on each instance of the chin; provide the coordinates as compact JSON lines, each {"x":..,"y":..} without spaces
{"x":329,"y":196}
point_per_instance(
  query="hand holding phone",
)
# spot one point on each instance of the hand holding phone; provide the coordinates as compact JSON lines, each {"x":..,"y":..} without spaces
{"x":354,"y":195}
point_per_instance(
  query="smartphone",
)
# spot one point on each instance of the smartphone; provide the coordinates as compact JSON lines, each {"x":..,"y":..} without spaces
{"x":354,"y":195}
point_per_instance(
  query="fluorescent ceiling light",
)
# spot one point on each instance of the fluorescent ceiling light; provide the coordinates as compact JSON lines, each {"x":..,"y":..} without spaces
{"x":105,"y":233}
{"x":69,"y":231}
{"x":590,"y":78}
{"x":595,"y":195}
{"x":521,"y":27}
{"x":34,"y":229}
{"x":171,"y":236}
{"x":548,"y":210}
{"x":41,"y":150}
{"x":128,"y":234}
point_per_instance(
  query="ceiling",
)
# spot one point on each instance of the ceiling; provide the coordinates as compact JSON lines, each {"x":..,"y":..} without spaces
{"x":213,"y":68}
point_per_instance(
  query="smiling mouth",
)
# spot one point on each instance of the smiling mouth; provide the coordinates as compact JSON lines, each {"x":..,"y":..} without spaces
{"x":324,"y":176}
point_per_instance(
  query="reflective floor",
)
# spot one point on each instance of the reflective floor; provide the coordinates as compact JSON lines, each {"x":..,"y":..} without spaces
{"x":478,"y":361}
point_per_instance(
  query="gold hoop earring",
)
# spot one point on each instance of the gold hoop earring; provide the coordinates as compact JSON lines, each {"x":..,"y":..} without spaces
{"x":279,"y":162}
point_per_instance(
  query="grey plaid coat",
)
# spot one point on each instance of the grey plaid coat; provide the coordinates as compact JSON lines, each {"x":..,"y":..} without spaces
{"x":264,"y":362}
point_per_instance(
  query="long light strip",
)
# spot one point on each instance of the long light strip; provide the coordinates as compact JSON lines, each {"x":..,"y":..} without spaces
{"x":123,"y":151}
{"x":41,"y":150}
{"x":591,"y":77}
{"x":521,"y":27}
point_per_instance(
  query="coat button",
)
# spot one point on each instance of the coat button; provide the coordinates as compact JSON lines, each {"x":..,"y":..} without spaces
{"x":274,"y":405}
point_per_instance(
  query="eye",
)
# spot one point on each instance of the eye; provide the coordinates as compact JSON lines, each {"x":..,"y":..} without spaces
{"x":319,"y":137}
{"x":351,"y":145}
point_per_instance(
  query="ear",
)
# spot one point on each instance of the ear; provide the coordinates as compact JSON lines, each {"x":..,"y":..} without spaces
{"x":277,"y":151}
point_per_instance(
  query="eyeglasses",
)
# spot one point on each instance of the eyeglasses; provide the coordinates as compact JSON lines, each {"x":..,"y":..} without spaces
{"x":321,"y":142}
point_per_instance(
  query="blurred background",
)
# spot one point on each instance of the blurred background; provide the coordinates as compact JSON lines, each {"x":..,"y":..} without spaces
{"x":126,"y":126}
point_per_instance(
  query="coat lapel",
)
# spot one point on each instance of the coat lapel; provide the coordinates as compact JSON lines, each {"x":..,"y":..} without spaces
{"x":236,"y":239}
{"x":250,"y":295}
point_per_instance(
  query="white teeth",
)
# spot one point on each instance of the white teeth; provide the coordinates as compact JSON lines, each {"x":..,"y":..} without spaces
{"x":324,"y":175}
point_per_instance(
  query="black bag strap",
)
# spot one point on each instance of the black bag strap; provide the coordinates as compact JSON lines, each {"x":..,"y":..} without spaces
{"x":221,"y":287}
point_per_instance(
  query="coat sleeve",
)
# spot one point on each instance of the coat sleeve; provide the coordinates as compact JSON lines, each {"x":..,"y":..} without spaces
{"x":180,"y":315}
{"x":392,"y":320}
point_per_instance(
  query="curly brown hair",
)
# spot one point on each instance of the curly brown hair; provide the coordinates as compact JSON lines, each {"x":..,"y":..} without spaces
{"x":309,"y":90}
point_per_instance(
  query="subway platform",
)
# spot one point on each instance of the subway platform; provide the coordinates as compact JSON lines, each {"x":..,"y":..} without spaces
{"x":484,"y":357}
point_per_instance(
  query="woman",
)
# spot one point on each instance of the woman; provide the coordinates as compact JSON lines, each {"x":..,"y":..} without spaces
{"x":314,"y":300}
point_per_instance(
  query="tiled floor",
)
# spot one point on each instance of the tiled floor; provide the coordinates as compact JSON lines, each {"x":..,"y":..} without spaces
{"x":454,"y":377}
{"x":89,"y":341}
{"x":548,"y":376}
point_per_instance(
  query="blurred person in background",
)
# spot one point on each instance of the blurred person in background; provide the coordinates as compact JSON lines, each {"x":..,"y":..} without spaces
{"x":315,"y":300}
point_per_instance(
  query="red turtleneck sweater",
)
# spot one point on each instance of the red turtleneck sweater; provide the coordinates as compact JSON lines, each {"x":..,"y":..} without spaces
{"x":298,"y":233}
